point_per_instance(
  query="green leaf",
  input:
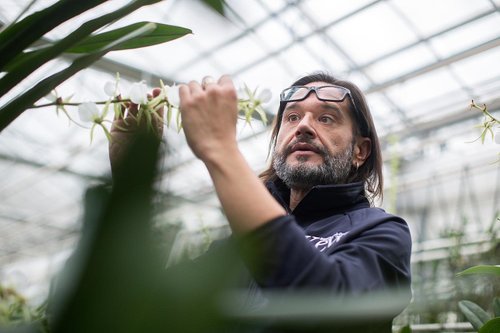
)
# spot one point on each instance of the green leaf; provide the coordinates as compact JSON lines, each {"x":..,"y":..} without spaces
{"x":161,"y":34}
{"x":481,"y":269}
{"x":22,"y":34}
{"x":22,"y":58}
{"x":217,"y":5}
{"x":496,"y":306}
{"x":474,"y":313}
{"x":405,"y":329}
{"x":15,"y":107}
{"x":21,"y":68}
{"x":492,"y":326}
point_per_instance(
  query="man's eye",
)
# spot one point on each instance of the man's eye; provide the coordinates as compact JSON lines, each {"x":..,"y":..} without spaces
{"x":293,"y":117}
{"x":326,"y":119}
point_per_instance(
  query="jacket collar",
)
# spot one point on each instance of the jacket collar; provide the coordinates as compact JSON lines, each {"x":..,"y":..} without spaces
{"x":322,"y":200}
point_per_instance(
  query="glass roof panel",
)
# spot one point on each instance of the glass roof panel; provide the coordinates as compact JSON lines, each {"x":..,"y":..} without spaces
{"x":382,"y":113}
{"x":327,"y":54}
{"x":379,"y":106}
{"x":326,"y":12}
{"x":212,"y":29}
{"x":299,"y":58}
{"x":233,"y":57}
{"x":373,"y":40}
{"x":250,"y":12}
{"x":422,"y":89}
{"x":273,"y":35}
{"x":467,"y":36}
{"x":295,"y":21}
{"x":429,"y":16}
{"x":359,"y":78}
{"x":480,"y":71}
{"x":276,"y":5}
{"x":401,"y":62}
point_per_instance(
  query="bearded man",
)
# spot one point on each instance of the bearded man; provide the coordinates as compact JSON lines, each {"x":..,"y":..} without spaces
{"x":311,"y":212}
{"x":312,"y":209}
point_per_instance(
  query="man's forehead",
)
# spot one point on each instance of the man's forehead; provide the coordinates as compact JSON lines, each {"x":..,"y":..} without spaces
{"x":321,"y":105}
{"x":337,"y":107}
{"x":318,"y":84}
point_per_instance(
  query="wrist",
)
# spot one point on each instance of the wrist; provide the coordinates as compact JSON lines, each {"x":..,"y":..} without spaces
{"x":218,"y":156}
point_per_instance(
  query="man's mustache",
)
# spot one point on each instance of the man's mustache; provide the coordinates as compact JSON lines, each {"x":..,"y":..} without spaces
{"x":314,"y":147}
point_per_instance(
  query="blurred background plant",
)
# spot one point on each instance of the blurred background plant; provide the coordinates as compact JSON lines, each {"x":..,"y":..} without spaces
{"x":490,"y":125}
{"x":16,"y":310}
{"x":480,"y":319}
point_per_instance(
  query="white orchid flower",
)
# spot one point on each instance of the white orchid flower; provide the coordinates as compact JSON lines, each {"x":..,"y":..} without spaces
{"x":52,"y":96}
{"x":109,"y":88}
{"x":497,"y":136}
{"x":265,"y":96}
{"x":241,"y":92}
{"x":139,"y":93}
{"x":88,"y":112}
{"x":173,"y":95}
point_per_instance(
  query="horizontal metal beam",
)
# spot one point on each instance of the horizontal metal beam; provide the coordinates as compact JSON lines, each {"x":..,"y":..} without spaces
{"x":441,"y":63}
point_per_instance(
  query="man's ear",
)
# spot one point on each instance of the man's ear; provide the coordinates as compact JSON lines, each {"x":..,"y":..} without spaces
{"x":362,"y":150}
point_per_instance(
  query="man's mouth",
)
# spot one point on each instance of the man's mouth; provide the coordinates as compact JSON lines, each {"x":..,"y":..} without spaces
{"x":305,"y":147}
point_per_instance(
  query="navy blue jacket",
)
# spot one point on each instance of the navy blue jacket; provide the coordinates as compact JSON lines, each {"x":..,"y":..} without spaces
{"x":333,"y":239}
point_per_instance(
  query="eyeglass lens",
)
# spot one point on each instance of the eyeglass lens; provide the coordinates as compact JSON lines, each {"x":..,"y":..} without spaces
{"x":326,"y":93}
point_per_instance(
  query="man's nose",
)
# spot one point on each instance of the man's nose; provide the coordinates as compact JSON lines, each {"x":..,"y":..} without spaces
{"x":305,"y":127}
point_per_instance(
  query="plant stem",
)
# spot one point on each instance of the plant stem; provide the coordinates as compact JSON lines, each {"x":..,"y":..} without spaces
{"x":78,"y":103}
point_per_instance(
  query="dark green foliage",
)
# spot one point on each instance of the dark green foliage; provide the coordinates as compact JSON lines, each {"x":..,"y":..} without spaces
{"x":477,"y":316}
{"x":116,"y":280}
{"x":18,"y":61}
{"x":492,"y":326}
{"x":405,"y":329}
{"x":22,"y":34}
{"x":161,"y":34}
{"x":217,"y":5}
{"x":474,"y":313}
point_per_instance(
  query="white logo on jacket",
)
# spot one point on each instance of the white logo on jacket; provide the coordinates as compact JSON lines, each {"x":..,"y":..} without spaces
{"x":323,"y":243}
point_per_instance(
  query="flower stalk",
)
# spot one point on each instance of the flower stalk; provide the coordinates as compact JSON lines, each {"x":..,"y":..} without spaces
{"x":149,"y":109}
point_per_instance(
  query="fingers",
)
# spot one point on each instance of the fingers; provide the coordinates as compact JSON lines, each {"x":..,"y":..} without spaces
{"x":206,"y":81}
{"x":207,"y":85}
{"x":156,"y":92}
{"x":183,"y":92}
{"x":194,"y":87}
{"x":225,"y":80}
{"x":133,"y":109}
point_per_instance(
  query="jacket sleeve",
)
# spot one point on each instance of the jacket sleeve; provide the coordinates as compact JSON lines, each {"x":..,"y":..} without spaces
{"x":374,"y":258}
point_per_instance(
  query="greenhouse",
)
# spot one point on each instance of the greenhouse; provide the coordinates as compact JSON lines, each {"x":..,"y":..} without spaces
{"x":84,"y":247}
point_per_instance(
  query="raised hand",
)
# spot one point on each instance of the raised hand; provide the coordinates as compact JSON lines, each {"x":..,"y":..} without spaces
{"x":126,"y":126}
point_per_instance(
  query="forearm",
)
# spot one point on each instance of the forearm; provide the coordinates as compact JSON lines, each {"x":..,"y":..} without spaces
{"x":209,"y":116}
{"x":244,"y":198}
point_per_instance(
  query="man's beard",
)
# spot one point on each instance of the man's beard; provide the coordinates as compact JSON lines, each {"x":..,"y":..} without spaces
{"x":334,"y":170}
